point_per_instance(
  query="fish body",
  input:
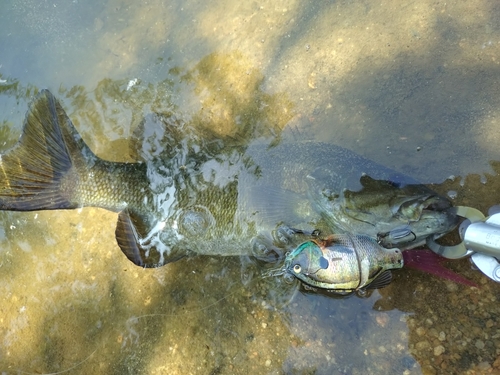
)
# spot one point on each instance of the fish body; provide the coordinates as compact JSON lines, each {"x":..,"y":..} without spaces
{"x":188,"y":193}
{"x":343,"y":263}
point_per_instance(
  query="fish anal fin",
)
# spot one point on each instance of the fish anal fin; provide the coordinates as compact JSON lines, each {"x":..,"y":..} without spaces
{"x":126,"y":236}
{"x":130,"y":229}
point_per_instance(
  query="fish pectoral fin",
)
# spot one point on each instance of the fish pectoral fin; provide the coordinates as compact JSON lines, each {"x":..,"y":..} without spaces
{"x":381,"y":281}
{"x":131,"y":231}
{"x":268,"y":205}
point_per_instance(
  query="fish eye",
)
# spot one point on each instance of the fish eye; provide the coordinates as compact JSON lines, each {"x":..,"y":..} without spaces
{"x":297,"y":268}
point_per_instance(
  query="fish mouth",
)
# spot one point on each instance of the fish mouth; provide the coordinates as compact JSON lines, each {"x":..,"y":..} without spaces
{"x":436,"y":203}
{"x":433,"y":224}
{"x":438,"y":217}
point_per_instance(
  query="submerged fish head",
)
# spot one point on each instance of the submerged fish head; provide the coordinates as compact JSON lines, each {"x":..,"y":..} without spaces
{"x":396,"y":216}
{"x":414,"y":233}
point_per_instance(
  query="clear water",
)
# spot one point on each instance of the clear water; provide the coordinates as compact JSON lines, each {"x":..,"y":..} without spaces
{"x":413,"y":86}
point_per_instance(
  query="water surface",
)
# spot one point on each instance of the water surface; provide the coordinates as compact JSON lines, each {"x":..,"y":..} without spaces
{"x":411,"y":85}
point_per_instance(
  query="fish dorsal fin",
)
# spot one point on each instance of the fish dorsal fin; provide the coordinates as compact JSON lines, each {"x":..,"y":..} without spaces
{"x":139,"y":241}
{"x":30,"y":173}
{"x":157,"y":134}
{"x":164,"y":136}
{"x":381,"y":281}
{"x":269,"y":205}
{"x":330,"y":240}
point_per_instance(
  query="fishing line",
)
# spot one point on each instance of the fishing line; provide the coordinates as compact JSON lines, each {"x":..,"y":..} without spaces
{"x":136,"y":319}
{"x":263,"y":275}
{"x":60,"y":372}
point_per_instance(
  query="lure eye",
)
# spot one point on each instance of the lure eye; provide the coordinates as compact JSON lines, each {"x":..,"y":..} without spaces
{"x":297,"y":268}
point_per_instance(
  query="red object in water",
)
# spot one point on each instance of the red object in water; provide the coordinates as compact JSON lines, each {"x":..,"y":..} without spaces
{"x":428,"y":261}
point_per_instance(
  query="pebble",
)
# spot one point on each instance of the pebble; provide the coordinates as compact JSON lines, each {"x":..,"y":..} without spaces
{"x":496,"y":364}
{"x":438,"y":350}
{"x":483,"y":366}
{"x":268,"y":363}
{"x":442,"y":336}
{"x":422,"y":345}
{"x":480,"y":344}
{"x":382,"y":319}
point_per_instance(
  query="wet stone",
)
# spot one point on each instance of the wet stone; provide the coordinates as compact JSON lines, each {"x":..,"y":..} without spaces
{"x":483,"y":366}
{"x":420,"y":331}
{"x":480,"y":344}
{"x":433,"y":332}
{"x":496,"y":364}
{"x":452,"y":287}
{"x":438,"y":350}
{"x":422,"y":345}
{"x":428,"y":370}
{"x":438,"y":361}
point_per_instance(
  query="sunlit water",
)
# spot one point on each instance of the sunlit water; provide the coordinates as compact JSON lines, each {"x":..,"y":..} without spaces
{"x":413,"y":86}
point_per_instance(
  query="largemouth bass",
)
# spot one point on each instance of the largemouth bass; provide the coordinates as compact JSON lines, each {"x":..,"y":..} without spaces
{"x":188,"y":194}
{"x":343,"y":263}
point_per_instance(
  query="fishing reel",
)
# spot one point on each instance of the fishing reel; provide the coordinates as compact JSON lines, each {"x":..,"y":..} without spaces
{"x":480,"y":239}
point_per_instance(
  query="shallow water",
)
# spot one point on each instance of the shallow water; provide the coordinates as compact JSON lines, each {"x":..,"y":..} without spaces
{"x":411,"y":85}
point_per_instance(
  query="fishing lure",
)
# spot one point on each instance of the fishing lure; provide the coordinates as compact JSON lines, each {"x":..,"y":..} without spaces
{"x":343,"y":263}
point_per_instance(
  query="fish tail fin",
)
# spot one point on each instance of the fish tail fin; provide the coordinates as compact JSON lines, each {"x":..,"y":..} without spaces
{"x":49,"y":146}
